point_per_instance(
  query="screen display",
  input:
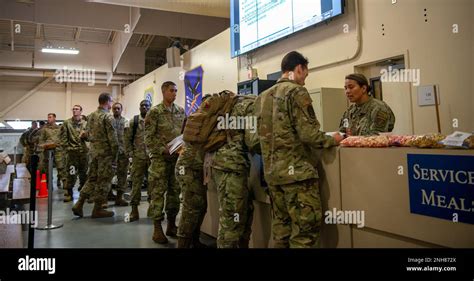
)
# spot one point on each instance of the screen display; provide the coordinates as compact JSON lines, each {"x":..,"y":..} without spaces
{"x":254,"y":23}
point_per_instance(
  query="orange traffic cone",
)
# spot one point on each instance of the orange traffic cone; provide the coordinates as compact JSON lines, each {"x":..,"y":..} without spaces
{"x":38,"y":180}
{"x":43,"y":193}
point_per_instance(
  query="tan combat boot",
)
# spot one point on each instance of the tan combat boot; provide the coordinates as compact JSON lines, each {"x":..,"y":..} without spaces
{"x":184,"y":243}
{"x":158,"y":235}
{"x":119,"y":199}
{"x":98,"y":212}
{"x":77,"y":208}
{"x":134,"y":215}
{"x":171,"y":228}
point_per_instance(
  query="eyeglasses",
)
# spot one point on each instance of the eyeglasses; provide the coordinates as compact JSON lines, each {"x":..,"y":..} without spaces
{"x":76,"y":109}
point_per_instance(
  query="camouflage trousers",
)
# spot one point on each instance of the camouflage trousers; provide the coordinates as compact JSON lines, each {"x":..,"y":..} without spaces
{"x":99,"y":178}
{"x":76,"y":167}
{"x":138,"y":173}
{"x":162,"y":183}
{"x":59,"y":161}
{"x":26,"y":157}
{"x":194,"y":201}
{"x":296,"y":214}
{"x":122,"y":171}
{"x":235,"y":207}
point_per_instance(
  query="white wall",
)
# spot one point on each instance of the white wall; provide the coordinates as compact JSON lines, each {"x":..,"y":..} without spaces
{"x":51,"y":98}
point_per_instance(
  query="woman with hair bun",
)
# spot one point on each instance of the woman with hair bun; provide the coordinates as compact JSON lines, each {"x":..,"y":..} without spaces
{"x":366,"y":116}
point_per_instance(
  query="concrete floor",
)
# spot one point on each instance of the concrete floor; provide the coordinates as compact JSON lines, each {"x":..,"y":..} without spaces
{"x":85,"y":232}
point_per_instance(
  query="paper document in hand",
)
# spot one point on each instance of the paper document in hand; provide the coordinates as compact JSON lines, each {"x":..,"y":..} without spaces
{"x":175,"y":144}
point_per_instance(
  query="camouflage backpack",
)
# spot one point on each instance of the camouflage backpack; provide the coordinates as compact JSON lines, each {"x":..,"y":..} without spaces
{"x":201,"y":126}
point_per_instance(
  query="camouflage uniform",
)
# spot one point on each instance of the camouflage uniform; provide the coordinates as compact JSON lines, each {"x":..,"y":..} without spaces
{"x":370,"y":118}
{"x":120,"y":124}
{"x":103,"y":151}
{"x":229,"y":174}
{"x":288,"y":129}
{"x":189,"y":174}
{"x":50,"y":135}
{"x":76,"y":150}
{"x":162,"y":125}
{"x":29,"y":146}
{"x":140,"y":162}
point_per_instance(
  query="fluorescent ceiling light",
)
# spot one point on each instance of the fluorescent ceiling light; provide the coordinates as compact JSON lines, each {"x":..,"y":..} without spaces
{"x":60,"y":51}
{"x":19,"y":125}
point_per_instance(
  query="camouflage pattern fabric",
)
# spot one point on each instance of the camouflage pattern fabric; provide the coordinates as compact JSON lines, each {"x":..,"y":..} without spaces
{"x":370,"y":118}
{"x":76,"y":149}
{"x":103,"y":152}
{"x":229,"y":174}
{"x":162,"y":125}
{"x":296,"y":214}
{"x":288,"y":131}
{"x":120,"y":125}
{"x":189,"y":175}
{"x":140,"y":162}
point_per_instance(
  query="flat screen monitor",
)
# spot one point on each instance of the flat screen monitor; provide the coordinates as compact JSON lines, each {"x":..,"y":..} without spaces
{"x":255,"y":23}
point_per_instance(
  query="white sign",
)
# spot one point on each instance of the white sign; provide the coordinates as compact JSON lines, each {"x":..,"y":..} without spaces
{"x":426,"y":95}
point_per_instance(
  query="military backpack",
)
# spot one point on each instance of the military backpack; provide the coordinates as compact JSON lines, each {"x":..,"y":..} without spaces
{"x":201,"y":126}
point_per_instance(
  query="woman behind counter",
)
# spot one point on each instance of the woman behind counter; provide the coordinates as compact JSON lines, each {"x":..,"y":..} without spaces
{"x":366,"y":116}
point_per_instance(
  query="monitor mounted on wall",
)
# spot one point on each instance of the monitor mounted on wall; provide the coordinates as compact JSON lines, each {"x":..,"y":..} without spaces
{"x":255,"y":23}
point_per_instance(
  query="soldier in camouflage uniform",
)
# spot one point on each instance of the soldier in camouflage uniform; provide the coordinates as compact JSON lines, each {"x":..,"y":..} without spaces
{"x":103,"y":152}
{"x":120,"y":124}
{"x":135,"y":146}
{"x":163,"y":123}
{"x":28,"y":147}
{"x":367,"y":115}
{"x":288,"y":129}
{"x":73,"y":140}
{"x":49,"y":137}
{"x":189,"y":174}
{"x":229,"y":174}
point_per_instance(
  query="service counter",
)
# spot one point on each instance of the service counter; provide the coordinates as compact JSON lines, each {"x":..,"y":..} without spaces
{"x":376,"y":181}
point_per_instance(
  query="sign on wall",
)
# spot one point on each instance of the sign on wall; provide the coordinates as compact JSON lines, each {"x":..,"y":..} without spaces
{"x":149,"y":93}
{"x":193,"y":89}
{"x":442,"y":186}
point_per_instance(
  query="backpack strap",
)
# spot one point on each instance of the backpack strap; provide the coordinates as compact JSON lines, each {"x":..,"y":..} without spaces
{"x":134,"y":128}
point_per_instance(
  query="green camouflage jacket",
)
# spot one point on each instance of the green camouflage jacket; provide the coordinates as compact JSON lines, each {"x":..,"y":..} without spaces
{"x":136,"y":147}
{"x":288,"y":131}
{"x":370,"y":118}
{"x":70,"y":135}
{"x":101,"y":133}
{"x":120,"y":124}
{"x":162,"y":125}
{"x":242,"y":137}
{"x":50,"y":134}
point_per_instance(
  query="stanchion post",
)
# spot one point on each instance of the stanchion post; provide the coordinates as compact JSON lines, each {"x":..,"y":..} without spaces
{"x":50,"y":225}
